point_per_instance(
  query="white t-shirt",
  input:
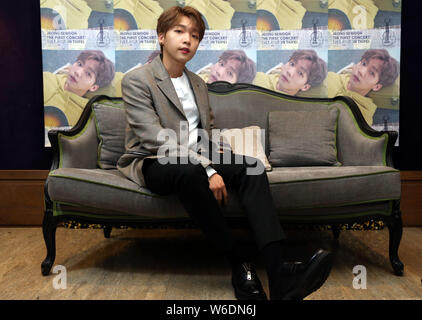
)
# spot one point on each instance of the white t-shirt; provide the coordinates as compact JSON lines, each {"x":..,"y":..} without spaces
{"x":187,"y":99}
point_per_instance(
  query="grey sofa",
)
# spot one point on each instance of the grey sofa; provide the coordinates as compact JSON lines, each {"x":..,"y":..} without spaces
{"x":85,"y":186}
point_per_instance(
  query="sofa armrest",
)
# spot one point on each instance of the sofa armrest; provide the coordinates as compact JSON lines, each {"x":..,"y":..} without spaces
{"x":392,"y":138}
{"x":358,"y":143}
{"x":78,"y":146}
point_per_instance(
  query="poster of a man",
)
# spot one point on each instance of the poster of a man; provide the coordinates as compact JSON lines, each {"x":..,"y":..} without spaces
{"x":233,"y":66}
{"x":282,"y":45}
{"x":375,"y":70}
{"x":303,"y":70}
{"x":67,"y":90}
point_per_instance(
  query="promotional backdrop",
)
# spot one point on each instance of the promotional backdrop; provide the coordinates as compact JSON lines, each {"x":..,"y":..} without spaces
{"x":313,"y":48}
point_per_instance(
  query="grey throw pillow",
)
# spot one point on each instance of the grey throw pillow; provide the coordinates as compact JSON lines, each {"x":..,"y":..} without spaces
{"x":303,"y":138}
{"x":110,"y":119}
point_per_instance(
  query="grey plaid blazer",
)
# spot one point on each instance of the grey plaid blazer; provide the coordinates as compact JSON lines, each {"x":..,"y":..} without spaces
{"x":152,"y":104}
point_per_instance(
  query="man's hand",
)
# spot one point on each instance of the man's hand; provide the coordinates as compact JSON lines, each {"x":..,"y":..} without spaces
{"x":218,"y":188}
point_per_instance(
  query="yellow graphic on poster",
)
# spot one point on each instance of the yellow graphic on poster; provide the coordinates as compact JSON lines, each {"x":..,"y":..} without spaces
{"x":217,"y":14}
{"x":282,"y":15}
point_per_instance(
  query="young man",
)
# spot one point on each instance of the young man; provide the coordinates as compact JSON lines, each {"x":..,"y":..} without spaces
{"x":165,"y":95}
{"x":303,"y":71}
{"x":67,"y":90}
{"x":375,"y":70}
{"x":233,"y":66}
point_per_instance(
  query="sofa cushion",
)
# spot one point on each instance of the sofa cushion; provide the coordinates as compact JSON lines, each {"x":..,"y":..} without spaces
{"x":323,"y":187}
{"x":110,"y":119}
{"x":110,"y":193}
{"x":247,"y":141}
{"x":303,"y":138}
{"x":306,"y":191}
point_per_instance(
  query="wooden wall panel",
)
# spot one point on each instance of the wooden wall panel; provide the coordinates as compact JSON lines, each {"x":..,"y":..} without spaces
{"x":411,"y":200}
{"x":22,"y":197}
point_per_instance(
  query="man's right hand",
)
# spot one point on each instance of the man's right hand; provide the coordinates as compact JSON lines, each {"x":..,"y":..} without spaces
{"x":218,"y":188}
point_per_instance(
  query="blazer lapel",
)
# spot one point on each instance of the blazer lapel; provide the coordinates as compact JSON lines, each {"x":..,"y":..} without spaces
{"x":165,"y":84}
{"x":167,"y":88}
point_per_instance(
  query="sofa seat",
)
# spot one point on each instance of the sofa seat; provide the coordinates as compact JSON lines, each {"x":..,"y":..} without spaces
{"x":106,"y":194}
{"x":333,"y":186}
{"x":297,"y":191}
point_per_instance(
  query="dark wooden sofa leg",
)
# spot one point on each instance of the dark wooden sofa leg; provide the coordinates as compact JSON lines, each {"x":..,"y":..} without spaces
{"x":107,"y":231}
{"x":336,"y":231}
{"x":395,"y":228}
{"x":49,"y":231}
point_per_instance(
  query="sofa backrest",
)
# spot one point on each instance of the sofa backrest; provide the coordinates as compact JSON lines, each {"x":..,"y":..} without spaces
{"x":248,"y":107}
{"x":244,"y":106}
{"x":233,"y":107}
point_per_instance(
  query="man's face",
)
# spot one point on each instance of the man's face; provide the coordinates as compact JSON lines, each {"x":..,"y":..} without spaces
{"x":181,"y":41}
{"x":294,"y":76}
{"x":365,"y":76}
{"x":224,"y":71}
{"x":82,"y":77}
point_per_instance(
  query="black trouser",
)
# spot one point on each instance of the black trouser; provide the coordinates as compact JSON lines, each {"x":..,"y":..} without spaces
{"x":190,"y":182}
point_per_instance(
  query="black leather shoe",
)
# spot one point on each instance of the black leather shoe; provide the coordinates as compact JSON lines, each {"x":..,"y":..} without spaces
{"x":296,"y":280}
{"x":246,"y":283}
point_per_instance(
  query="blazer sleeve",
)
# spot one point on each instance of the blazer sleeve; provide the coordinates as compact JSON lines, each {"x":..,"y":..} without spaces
{"x":145,"y":122}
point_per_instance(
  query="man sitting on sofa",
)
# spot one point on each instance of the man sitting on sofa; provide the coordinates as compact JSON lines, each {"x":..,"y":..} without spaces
{"x":164,"y":96}
{"x":375,"y":70}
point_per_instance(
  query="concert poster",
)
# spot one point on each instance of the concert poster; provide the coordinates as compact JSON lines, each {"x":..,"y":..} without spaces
{"x":307,"y":48}
{"x":365,"y":34}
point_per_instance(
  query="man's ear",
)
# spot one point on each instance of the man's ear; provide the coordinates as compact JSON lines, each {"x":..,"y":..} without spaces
{"x":160,"y":37}
{"x":377,"y":87}
{"x":95,"y":87}
{"x":306,"y":87}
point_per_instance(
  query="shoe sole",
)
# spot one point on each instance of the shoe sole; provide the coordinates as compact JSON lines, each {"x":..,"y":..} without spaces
{"x":241,"y":295}
{"x":321,"y":280}
{"x":313,"y":278}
